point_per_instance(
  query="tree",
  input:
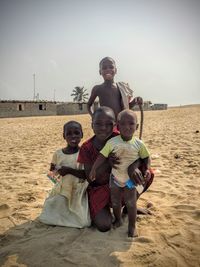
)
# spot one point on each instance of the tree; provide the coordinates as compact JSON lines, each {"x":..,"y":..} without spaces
{"x":79,"y":94}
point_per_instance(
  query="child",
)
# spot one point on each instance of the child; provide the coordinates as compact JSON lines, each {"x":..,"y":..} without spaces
{"x":114,"y":95}
{"x":122,"y":180}
{"x":103,"y":120}
{"x":67,"y":204}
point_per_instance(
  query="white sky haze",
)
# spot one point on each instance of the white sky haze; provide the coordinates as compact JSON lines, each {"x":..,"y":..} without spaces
{"x":155,"y":43}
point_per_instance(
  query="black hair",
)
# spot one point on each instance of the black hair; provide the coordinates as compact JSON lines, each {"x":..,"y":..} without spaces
{"x":106,"y":59}
{"x":72,"y":122}
{"x":104,"y":109}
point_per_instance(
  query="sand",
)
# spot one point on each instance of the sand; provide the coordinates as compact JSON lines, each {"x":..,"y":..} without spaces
{"x":168,"y":237}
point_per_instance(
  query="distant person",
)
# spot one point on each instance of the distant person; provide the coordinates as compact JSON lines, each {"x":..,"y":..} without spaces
{"x":124,"y":181}
{"x":67,"y":204}
{"x":117,"y":96}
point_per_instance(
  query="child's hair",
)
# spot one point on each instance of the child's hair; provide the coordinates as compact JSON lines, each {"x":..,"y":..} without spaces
{"x":126,"y":111}
{"x":72,"y":122}
{"x":106,"y":59}
{"x":105,"y":110}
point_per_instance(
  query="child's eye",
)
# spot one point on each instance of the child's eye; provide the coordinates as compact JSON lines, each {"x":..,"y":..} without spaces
{"x":98,"y":124}
{"x":77,"y":132}
{"x":108,"y":67}
{"x":73,"y":133}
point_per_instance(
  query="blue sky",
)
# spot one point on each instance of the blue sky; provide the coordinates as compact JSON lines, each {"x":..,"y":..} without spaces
{"x":155,"y":44}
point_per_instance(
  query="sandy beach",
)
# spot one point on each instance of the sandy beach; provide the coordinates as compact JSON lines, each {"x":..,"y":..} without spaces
{"x":168,"y":237}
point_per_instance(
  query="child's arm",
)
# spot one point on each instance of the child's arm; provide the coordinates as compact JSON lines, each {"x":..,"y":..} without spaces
{"x":52,"y":167}
{"x":99,"y":161}
{"x":91,"y":100}
{"x":145,"y":166}
{"x":67,"y":170}
{"x":137,"y":167}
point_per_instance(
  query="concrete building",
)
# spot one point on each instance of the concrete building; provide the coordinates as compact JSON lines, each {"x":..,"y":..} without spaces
{"x":71,"y":108}
{"x":159,"y":106}
{"x":15,"y":108}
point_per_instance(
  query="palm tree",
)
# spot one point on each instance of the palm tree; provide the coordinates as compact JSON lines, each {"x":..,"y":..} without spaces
{"x":79,"y":94}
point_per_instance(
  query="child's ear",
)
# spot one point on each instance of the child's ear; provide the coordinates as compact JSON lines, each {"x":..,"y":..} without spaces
{"x":100,"y":72}
{"x":137,"y":126}
{"x":64,"y":135}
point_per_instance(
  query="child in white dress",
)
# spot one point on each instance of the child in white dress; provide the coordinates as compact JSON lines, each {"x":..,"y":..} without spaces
{"x":67,"y":203}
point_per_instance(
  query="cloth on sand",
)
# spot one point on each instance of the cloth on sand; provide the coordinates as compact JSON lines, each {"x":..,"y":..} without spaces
{"x":67,"y":203}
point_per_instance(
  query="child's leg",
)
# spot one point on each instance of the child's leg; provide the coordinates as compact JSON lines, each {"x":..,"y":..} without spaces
{"x":103,"y":219}
{"x":116,"y":193}
{"x":130,"y":198}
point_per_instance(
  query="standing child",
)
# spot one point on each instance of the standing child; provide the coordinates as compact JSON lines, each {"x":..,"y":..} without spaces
{"x":67,"y":204}
{"x":117,"y":96}
{"x":123,"y":182}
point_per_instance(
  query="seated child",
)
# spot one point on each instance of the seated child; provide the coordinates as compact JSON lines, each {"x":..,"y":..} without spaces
{"x":123,"y":183}
{"x":67,"y":204}
{"x":103,"y":121}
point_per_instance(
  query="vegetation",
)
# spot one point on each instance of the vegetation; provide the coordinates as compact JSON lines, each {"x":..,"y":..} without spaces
{"x":79,"y":94}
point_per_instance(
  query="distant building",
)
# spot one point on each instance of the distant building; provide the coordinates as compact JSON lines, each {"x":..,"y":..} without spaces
{"x":158,"y":106}
{"x":16,"y":108}
{"x":149,"y":106}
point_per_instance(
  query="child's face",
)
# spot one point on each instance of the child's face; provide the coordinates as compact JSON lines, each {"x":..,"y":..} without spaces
{"x":127,"y":126}
{"x":72,"y":135}
{"x":102,"y":126}
{"x":108,"y":70}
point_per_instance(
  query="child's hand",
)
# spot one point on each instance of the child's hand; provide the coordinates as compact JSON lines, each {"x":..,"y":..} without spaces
{"x":113,"y":160}
{"x":147,"y":174}
{"x":137,"y":177}
{"x":92,"y":175}
{"x":138,"y":101}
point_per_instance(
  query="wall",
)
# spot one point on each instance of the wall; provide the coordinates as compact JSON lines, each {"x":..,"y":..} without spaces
{"x":26,"y":108}
{"x":71,"y":108}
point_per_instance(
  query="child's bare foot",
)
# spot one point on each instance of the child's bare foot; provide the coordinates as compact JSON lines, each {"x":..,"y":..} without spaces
{"x":140,"y":211}
{"x":132,"y":232}
{"x":144,"y":211}
{"x":117,"y":223}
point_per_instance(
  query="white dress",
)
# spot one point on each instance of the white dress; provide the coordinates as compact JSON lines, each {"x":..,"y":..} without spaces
{"x":67,"y":203}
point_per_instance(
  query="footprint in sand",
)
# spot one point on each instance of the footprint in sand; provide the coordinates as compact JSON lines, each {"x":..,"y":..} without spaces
{"x":161,"y":193}
{"x":27,"y":197}
{"x":184,"y":207}
{"x":196,"y":214}
{"x":143,"y":239}
{"x":4,"y":210}
{"x":4,"y":207}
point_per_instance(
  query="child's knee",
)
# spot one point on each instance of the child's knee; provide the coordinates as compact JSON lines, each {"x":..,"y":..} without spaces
{"x":130,"y":203}
{"x":104,"y":226}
